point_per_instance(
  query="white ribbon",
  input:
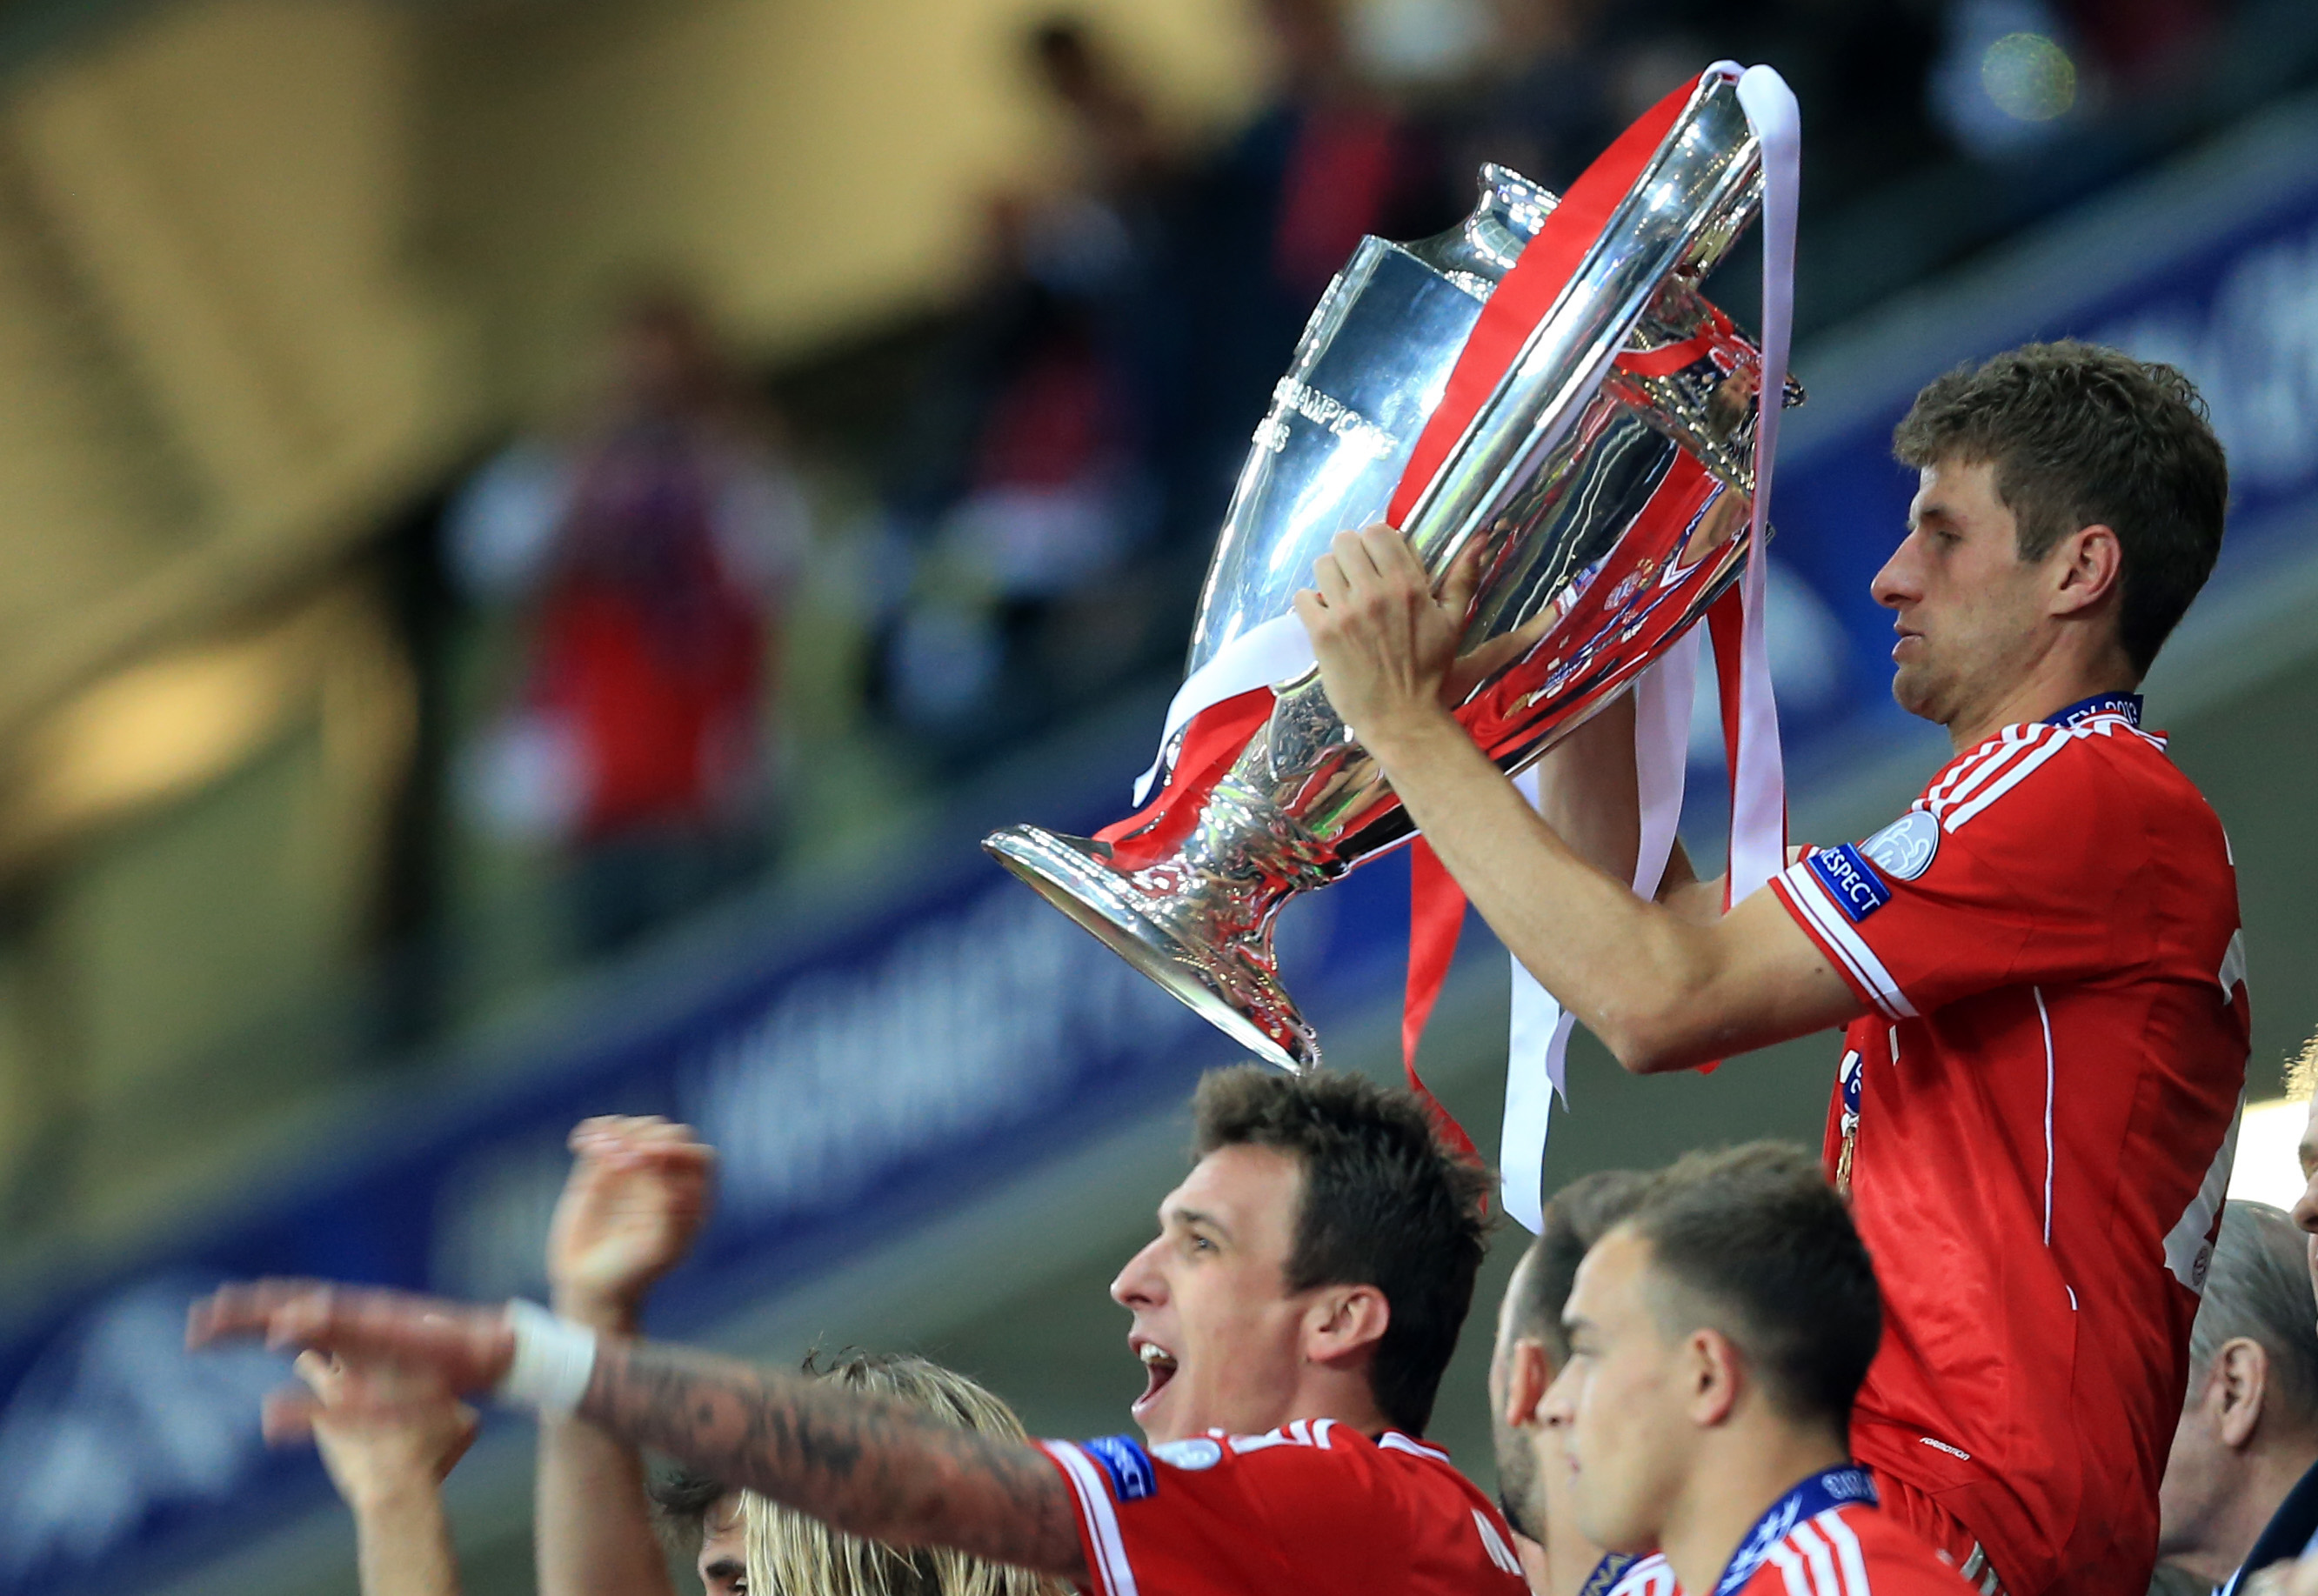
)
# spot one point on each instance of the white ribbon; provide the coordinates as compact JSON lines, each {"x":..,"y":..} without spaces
{"x":1759,"y":785}
{"x":1537,"y":1042}
{"x":1538,"y":1047}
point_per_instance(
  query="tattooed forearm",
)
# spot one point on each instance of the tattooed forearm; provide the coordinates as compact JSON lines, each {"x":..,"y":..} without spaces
{"x":874,"y":1468}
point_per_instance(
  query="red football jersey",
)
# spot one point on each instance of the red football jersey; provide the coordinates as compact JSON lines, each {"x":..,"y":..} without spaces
{"x":1312,"y":1506}
{"x":2033,"y":1125}
{"x":1852,"y":1550}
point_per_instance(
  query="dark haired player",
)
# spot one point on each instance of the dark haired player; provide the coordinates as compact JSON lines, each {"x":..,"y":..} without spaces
{"x":2037,"y":965}
{"x":1717,"y":1336}
{"x":1531,"y":1349}
{"x":1295,"y":1311}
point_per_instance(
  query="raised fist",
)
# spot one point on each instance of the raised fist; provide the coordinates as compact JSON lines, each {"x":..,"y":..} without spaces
{"x":636,"y":1199}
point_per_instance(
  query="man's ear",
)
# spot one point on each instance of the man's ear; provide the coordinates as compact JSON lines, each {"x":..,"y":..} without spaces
{"x":1529,"y":1373}
{"x":1344,"y":1322}
{"x":2242,"y":1370}
{"x":2088,"y":565}
{"x":1714,"y":1375}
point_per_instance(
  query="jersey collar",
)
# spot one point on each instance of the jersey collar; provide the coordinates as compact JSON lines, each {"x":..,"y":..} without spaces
{"x":1834,"y":1487}
{"x":2127,"y":704}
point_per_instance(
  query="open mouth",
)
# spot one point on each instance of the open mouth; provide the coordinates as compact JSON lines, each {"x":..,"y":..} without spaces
{"x":1159,"y":1368}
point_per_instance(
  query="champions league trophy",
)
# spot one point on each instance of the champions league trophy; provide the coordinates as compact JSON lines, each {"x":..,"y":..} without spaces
{"x":1603,"y":487}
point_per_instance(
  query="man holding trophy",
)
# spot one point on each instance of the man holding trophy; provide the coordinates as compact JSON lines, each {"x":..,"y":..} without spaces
{"x":2037,"y":967}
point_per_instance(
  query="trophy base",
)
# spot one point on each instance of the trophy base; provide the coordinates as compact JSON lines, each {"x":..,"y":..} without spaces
{"x":1224,"y":974}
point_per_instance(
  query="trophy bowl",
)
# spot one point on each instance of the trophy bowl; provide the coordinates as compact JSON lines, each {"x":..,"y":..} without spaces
{"x":1606,"y":480}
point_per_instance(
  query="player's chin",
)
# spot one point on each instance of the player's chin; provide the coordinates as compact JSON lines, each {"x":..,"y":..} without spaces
{"x":1913,"y":691}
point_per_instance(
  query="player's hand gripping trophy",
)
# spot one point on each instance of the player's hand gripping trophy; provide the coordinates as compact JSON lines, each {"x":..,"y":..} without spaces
{"x":1596,"y":503}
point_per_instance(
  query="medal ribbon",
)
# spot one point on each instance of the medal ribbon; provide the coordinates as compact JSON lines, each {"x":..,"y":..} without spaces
{"x":1834,"y":1487}
{"x":2127,"y":704}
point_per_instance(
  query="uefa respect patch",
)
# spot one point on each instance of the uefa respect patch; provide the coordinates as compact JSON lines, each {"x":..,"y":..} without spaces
{"x":1850,"y":880}
{"x":1132,"y":1476}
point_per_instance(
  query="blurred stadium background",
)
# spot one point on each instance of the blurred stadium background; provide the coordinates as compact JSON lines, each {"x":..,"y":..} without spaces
{"x":362,"y":357}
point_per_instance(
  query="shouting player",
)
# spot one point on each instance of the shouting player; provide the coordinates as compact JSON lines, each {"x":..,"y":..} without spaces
{"x":2038,"y":967}
{"x":1717,"y":1336}
{"x":1295,"y":1314}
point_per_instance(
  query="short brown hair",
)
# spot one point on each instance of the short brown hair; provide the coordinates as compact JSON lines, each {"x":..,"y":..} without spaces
{"x":2082,"y":435}
{"x":1579,"y":1215}
{"x":1758,"y":1245}
{"x":1385,"y":1204}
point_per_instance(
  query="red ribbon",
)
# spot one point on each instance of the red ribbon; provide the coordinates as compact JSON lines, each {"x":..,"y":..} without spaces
{"x":1521,"y":300}
{"x":1436,"y":916}
{"x":1212,"y":740}
{"x":1528,"y":290}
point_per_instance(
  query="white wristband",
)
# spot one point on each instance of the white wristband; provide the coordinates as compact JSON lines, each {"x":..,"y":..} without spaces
{"x":553,"y":1360}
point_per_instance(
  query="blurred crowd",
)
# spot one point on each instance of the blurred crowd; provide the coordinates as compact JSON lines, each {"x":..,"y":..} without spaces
{"x":1023,"y":528}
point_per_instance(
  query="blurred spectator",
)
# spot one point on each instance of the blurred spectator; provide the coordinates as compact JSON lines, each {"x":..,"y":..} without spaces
{"x":1024,"y":479}
{"x":650,"y":549}
{"x":1547,"y":102}
{"x":2142,"y":42}
{"x":2245,"y":1453}
{"x":1862,"y":74}
{"x":1272,"y":221}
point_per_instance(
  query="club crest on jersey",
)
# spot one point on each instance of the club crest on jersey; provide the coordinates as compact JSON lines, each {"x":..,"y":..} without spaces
{"x":1132,"y":1477}
{"x":1197,"y":1452}
{"x":1904,"y":848}
{"x":1850,"y":880}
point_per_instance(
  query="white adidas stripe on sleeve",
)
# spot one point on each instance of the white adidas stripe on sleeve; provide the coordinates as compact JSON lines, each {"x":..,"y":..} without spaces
{"x":1114,"y":1574}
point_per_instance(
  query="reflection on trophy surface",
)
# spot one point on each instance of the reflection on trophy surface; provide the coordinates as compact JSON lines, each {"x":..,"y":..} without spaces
{"x":1604,"y":514}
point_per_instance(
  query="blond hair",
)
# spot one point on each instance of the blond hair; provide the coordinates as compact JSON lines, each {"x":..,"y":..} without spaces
{"x":2302,"y":1072}
{"x":792,"y":1555}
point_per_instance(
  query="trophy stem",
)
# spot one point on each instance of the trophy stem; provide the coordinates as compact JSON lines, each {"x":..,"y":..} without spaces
{"x":1212,"y":951}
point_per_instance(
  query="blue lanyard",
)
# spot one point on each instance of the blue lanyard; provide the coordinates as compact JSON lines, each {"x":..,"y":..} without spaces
{"x":1607,"y":1574}
{"x":2127,"y":704}
{"x":1833,"y":1488}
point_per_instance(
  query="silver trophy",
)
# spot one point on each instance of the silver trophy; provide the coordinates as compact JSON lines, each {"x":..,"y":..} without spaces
{"x":1608,"y":479}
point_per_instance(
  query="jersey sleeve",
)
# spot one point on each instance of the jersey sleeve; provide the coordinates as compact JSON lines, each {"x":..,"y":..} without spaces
{"x":2017,"y":878}
{"x":1211,"y":1516}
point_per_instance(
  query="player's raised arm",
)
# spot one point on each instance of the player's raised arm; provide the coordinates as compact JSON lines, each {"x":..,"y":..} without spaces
{"x":388,"y":1436}
{"x":873,"y":1468}
{"x":636,"y":1197}
{"x":1662,"y":991}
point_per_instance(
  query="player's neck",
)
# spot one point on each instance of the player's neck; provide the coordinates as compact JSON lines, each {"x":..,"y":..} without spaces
{"x":2244,"y":1513}
{"x":2056,"y":685}
{"x":1344,"y":1396}
{"x":1570,"y":1560}
{"x":1735,"y":1476}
